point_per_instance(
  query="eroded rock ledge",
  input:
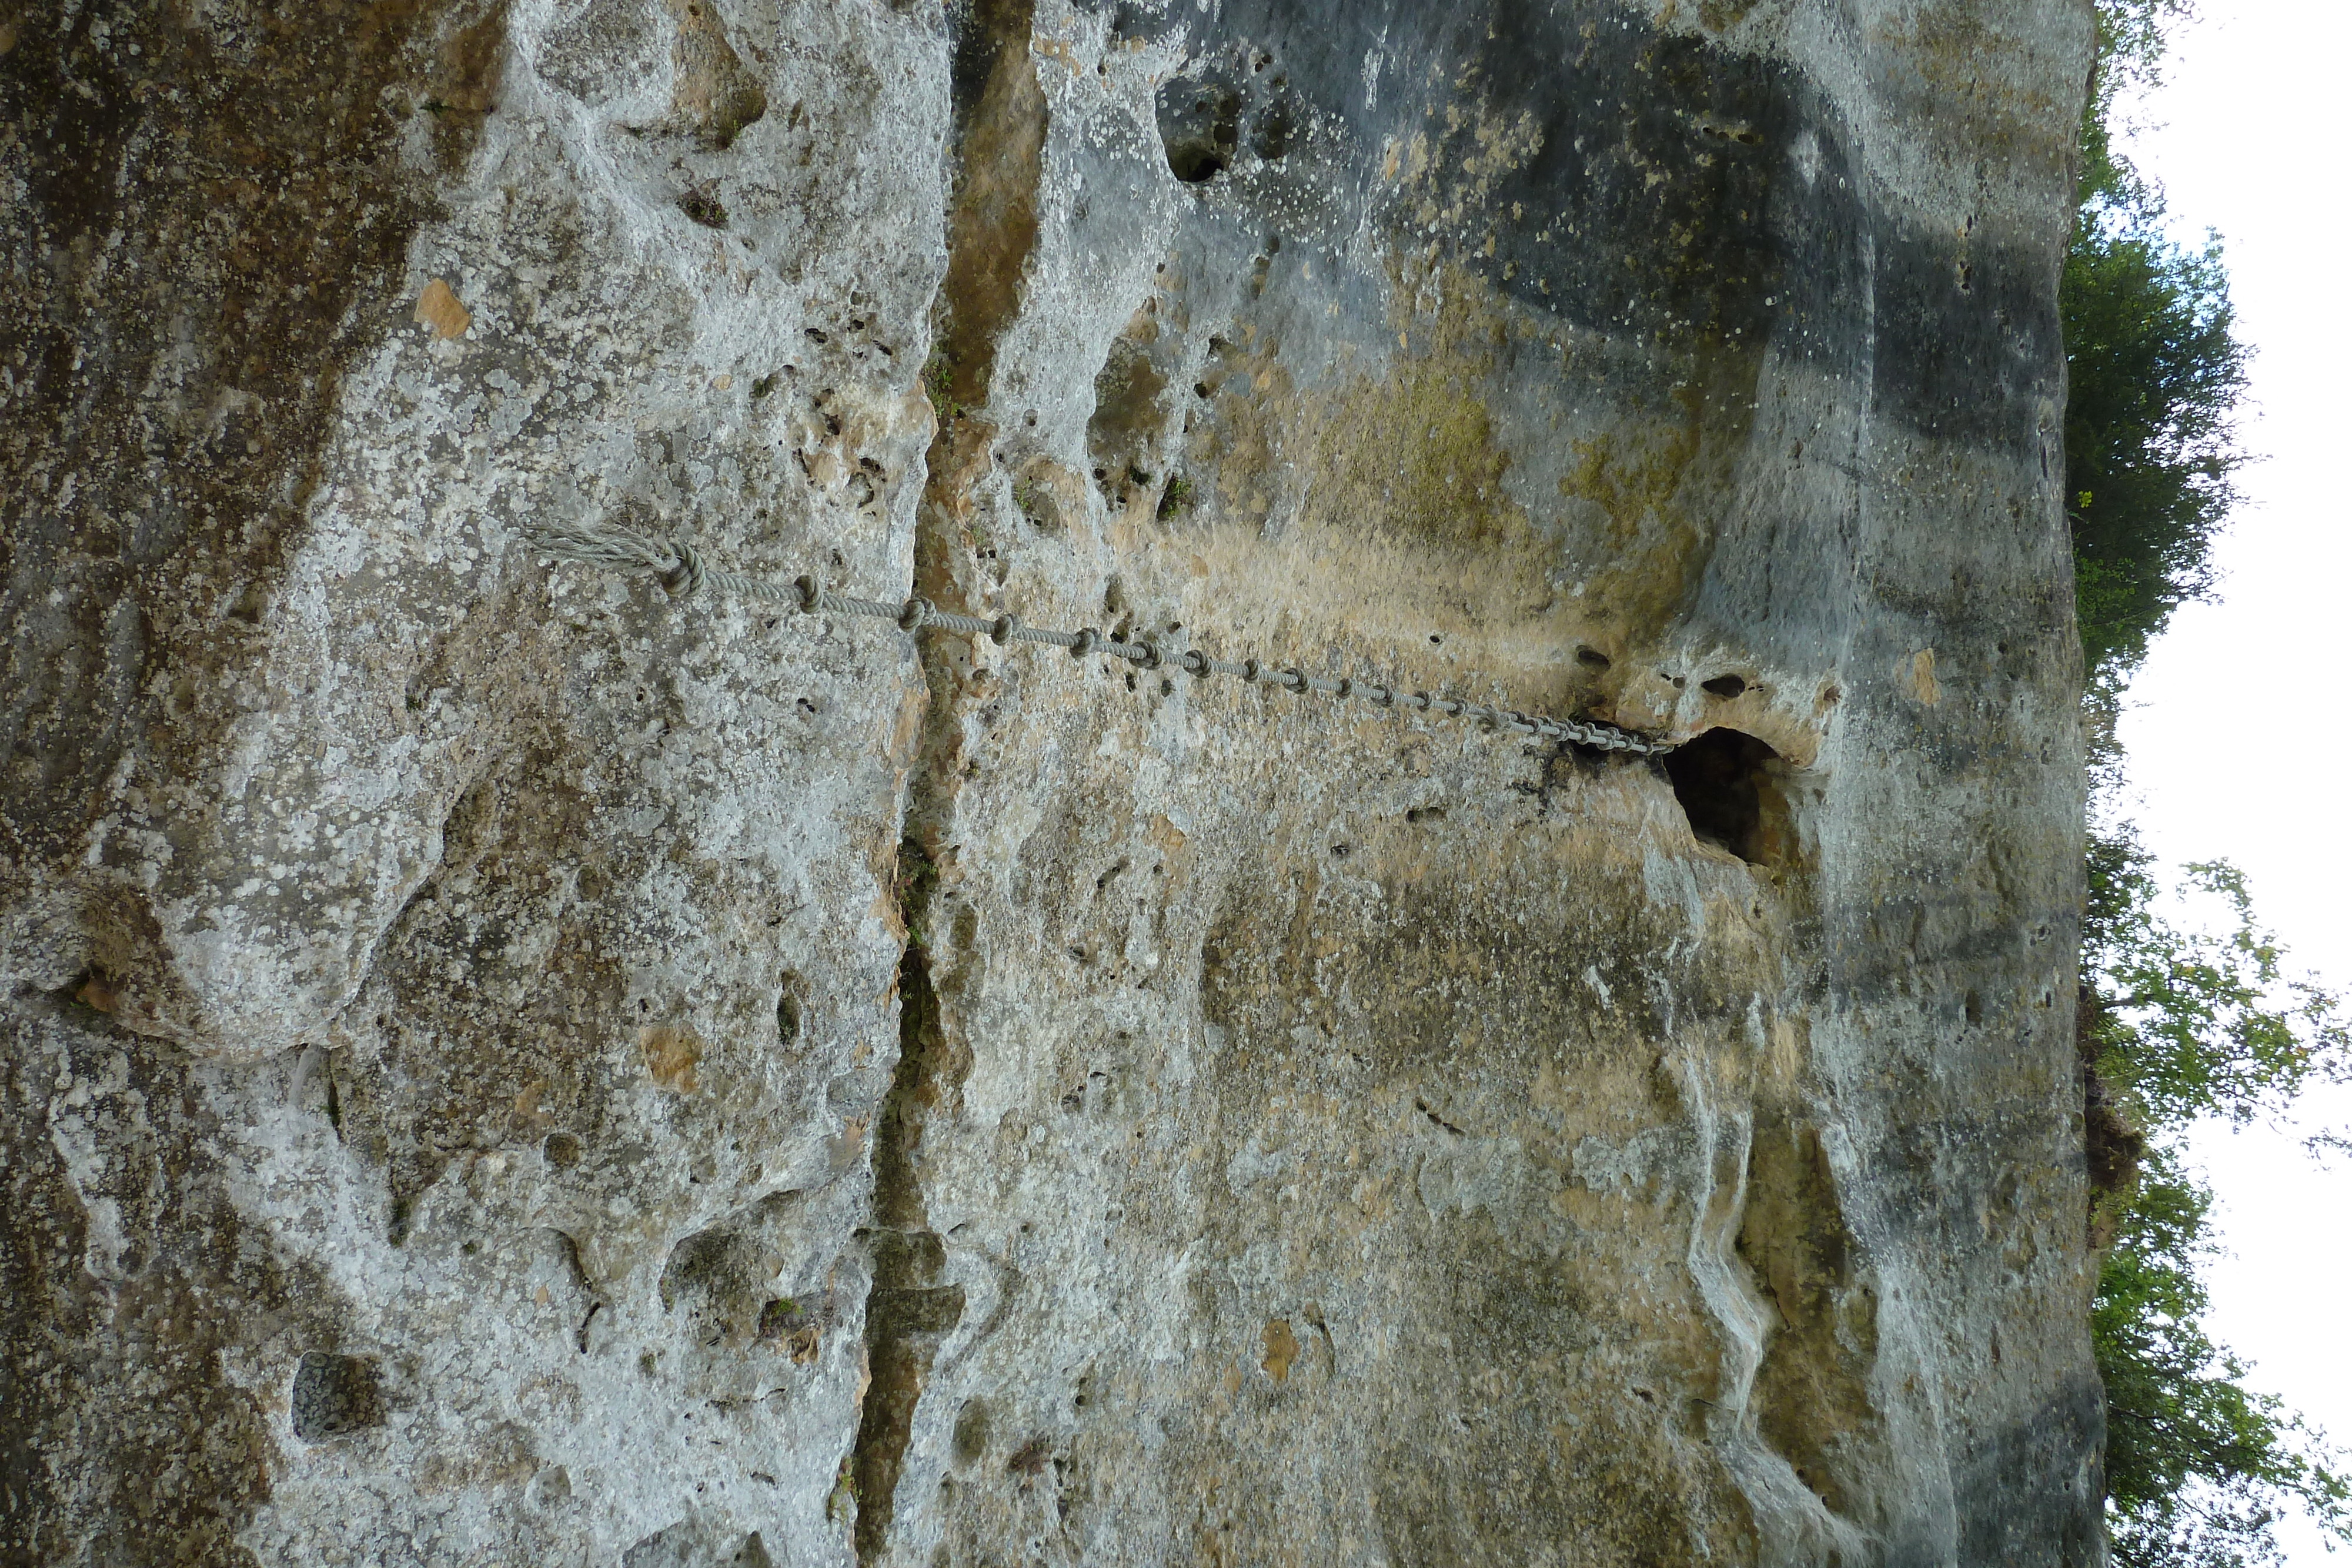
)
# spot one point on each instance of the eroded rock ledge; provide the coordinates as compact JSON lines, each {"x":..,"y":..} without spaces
{"x":508,"y":1065}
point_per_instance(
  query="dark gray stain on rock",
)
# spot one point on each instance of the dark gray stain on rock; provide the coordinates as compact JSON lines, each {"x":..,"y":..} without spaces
{"x":334,"y":1395}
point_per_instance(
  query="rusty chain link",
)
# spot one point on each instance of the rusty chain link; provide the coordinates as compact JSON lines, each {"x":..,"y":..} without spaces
{"x":682,"y":570}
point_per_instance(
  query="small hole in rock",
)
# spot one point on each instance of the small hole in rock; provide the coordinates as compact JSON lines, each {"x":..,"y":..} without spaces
{"x":702,"y":204}
{"x":972,"y":1426}
{"x":1199,"y":125}
{"x":562,"y":1150}
{"x":1728,"y":783}
{"x":1723,"y":686}
{"x":1592,"y":658}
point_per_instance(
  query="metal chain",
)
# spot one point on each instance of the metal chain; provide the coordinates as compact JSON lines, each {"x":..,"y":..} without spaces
{"x":684,"y":573}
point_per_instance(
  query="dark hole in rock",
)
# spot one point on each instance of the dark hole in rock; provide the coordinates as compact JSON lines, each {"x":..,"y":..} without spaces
{"x":788,"y":1010}
{"x":1199,"y":125}
{"x":1272,"y":136}
{"x":779,"y":1316}
{"x":1728,"y":782}
{"x":1592,"y":658}
{"x":334,"y":1395}
{"x":973,"y":1426}
{"x":1723,"y":686}
{"x":702,"y":204}
{"x":561,"y":1149}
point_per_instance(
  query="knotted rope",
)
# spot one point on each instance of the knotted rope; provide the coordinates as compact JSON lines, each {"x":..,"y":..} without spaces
{"x":683,"y":571}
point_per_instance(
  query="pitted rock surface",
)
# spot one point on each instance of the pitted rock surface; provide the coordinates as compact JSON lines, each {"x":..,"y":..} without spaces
{"x":508,"y":1064}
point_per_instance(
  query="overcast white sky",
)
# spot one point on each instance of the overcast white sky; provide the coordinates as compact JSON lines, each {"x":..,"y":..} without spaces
{"x":2236,"y":751}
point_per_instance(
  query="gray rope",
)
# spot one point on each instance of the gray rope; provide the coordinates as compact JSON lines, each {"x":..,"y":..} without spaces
{"x":684,"y":572}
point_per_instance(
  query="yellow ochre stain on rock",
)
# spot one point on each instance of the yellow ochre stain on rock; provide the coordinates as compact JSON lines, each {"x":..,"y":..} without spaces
{"x":1921,"y":670}
{"x":438,"y":308}
{"x":670,"y":1056}
{"x":1281,"y":1349}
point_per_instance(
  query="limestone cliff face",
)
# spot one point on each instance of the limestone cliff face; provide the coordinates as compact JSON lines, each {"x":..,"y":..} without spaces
{"x":508,"y":1065}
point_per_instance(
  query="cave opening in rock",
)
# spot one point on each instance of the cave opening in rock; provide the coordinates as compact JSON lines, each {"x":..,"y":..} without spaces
{"x":1728,"y":784}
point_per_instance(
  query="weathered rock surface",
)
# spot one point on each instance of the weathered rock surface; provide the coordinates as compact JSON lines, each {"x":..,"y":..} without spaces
{"x":508,"y":1065}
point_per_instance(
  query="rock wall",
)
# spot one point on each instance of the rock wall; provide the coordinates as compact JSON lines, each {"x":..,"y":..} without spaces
{"x":508,"y":1064}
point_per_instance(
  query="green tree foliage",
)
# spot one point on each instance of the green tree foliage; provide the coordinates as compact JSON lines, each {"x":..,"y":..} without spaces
{"x":2177,"y":1026}
{"x":2155,"y":375}
{"x":2185,"y":1025}
{"x":2202,"y":1025}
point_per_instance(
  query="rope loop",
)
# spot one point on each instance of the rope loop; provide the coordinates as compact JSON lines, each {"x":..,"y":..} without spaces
{"x":810,"y":594}
{"x":684,"y":579}
{"x":1195,"y":661}
{"x":1088,"y":638}
{"x":1151,"y":654}
{"x":1294,"y":679}
{"x":914,"y":615}
{"x":1004,"y":629}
